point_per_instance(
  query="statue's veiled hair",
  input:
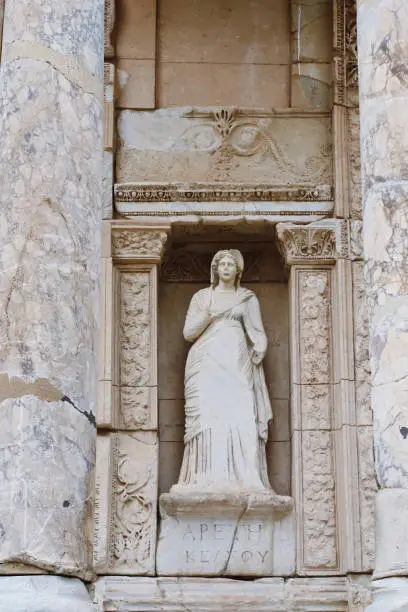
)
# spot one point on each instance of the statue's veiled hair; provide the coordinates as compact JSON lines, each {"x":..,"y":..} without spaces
{"x":239,"y":262}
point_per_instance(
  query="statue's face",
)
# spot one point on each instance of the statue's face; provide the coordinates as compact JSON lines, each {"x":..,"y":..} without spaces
{"x":227,"y":269}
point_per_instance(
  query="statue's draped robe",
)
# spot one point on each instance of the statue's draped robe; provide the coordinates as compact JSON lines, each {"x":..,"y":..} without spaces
{"x":226,"y":400}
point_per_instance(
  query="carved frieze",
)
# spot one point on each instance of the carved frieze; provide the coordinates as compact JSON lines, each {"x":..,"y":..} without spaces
{"x":230,"y":132}
{"x":138,"y":244}
{"x":321,"y":242}
{"x":226,"y":145}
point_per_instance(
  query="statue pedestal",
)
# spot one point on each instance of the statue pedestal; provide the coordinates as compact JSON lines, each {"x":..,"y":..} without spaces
{"x":248,"y":533}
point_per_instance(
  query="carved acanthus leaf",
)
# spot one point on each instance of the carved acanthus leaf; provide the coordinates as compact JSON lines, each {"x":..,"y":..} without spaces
{"x":322,"y":242}
{"x":138,"y":243}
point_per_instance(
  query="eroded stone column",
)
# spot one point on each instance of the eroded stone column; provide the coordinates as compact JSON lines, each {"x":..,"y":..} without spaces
{"x":51,"y":166}
{"x":383,"y":57}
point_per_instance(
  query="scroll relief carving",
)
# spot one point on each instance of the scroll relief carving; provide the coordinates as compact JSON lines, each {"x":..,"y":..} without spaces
{"x":230,"y":132}
{"x":319,"y":503}
{"x":136,"y":243}
{"x":351,"y":43}
{"x":345,"y":61}
{"x":135,"y":348}
{"x":314,"y":333}
{"x":134,"y":503}
{"x":318,"y":485}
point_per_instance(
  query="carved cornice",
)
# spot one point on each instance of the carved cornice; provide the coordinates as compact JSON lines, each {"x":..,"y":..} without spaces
{"x":137,"y":243}
{"x":320,"y":242}
{"x":222,"y":200}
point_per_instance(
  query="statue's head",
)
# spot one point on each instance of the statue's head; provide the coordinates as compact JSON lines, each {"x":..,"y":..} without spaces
{"x":230,"y":256}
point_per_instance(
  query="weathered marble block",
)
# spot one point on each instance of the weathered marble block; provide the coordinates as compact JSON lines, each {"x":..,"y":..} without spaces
{"x":231,"y":534}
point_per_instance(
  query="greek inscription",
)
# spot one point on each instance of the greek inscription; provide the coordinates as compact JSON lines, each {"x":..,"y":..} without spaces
{"x":189,"y":556}
{"x":203,"y":530}
{"x":205,"y":556}
{"x":262,"y":556}
{"x":189,"y":533}
{"x":254,"y":532}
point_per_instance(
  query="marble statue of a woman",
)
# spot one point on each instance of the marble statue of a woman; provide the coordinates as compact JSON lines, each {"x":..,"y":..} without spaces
{"x":226,"y":400}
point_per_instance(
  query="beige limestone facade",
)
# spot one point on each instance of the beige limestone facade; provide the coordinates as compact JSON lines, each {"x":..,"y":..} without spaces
{"x":138,"y":139}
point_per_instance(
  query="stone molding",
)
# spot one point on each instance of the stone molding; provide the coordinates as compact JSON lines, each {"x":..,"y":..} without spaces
{"x":332,"y":594}
{"x":214,"y":200}
{"x":186,"y":503}
{"x":320,"y":242}
{"x":220,"y":192}
{"x":109,"y":105}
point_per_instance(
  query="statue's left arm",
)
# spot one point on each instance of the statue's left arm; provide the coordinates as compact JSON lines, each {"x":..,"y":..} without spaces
{"x":255,"y":329}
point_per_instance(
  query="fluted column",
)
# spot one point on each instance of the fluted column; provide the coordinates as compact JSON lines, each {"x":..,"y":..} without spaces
{"x":51,"y":125}
{"x":383,"y":60}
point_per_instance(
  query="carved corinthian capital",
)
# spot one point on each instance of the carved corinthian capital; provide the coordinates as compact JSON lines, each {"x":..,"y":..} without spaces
{"x":320,"y":242}
{"x":138,"y":243}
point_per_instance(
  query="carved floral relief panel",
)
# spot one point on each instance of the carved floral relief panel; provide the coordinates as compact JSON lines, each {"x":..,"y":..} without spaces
{"x":137,"y":349}
{"x":228,"y":144}
{"x":319,"y":500}
{"x":314,"y":480}
{"x":126,"y":500}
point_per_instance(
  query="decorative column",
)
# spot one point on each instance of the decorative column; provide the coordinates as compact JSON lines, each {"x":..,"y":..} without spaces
{"x":383,"y":57}
{"x":127,"y":445}
{"x":51,"y":97}
{"x":325,"y":430}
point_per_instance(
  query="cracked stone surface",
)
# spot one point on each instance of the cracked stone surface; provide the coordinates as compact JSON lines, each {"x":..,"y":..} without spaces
{"x":383,"y":54}
{"x":51,"y":166}
{"x":226,"y":535}
{"x":44,"y":594}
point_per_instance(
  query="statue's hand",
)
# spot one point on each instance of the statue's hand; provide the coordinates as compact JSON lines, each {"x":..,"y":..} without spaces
{"x":257,"y":357}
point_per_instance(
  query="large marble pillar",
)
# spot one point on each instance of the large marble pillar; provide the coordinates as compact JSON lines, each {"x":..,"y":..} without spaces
{"x":51,"y":124}
{"x":383,"y":59}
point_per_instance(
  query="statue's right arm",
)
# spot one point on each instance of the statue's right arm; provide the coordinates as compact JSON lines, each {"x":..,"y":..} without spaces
{"x":197,"y":320}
